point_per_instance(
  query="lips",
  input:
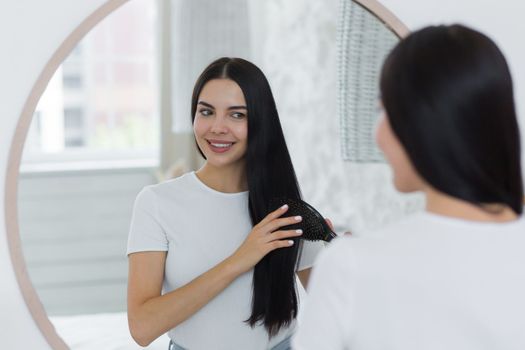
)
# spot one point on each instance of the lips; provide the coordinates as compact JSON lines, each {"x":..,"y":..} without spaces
{"x":219,"y":146}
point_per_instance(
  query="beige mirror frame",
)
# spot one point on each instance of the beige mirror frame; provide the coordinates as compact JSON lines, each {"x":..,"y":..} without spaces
{"x":385,"y":16}
{"x":28,"y":291}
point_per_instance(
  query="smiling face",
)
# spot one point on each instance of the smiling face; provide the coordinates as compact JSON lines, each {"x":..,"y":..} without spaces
{"x":221,"y":124}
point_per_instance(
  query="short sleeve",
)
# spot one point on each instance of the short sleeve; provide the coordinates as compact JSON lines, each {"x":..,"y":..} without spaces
{"x":309,"y":254}
{"x":146,"y":232}
{"x":325,"y":319}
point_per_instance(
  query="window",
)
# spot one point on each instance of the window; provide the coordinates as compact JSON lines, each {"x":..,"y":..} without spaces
{"x":102,"y":103}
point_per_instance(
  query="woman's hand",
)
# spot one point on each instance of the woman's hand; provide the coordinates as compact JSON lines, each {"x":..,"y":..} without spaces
{"x":329,"y":222}
{"x":264,"y":238}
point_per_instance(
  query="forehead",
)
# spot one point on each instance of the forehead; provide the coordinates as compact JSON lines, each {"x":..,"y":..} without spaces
{"x":222,"y":93}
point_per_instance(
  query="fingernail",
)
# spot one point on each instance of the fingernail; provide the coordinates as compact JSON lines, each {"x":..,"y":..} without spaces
{"x":290,"y":242}
{"x":298,"y":218}
{"x":284,"y":206}
{"x":299,"y":231}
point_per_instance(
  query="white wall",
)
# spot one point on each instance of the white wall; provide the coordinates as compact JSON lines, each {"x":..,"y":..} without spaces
{"x":31,"y":30}
{"x":74,"y":231}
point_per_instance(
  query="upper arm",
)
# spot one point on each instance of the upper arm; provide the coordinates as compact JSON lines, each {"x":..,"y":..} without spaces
{"x":146,"y":233}
{"x":147,"y":250}
{"x":145,"y":277}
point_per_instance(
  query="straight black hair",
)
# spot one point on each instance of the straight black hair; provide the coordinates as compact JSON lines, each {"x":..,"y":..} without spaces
{"x":447,"y":92}
{"x":270,"y":174}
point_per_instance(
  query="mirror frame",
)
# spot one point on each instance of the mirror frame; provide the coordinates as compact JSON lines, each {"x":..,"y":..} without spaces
{"x":27,"y":289}
{"x":34,"y":305}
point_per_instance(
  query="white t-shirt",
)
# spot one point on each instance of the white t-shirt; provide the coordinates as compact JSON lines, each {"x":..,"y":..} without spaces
{"x":199,"y":227}
{"x":427,"y":282}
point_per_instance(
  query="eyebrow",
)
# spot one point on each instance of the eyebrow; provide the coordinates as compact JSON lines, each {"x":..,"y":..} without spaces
{"x":229,"y":108}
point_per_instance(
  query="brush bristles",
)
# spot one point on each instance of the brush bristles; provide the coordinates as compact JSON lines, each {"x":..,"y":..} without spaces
{"x":313,"y":224}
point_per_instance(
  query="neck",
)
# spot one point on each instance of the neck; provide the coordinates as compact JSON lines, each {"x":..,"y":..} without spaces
{"x":443,"y":204}
{"x":231,"y":179}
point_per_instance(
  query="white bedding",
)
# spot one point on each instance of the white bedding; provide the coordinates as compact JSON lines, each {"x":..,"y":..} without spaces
{"x":107,"y":331}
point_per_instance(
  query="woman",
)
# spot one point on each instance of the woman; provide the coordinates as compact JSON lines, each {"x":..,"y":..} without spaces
{"x":195,"y":240}
{"x":453,"y":276}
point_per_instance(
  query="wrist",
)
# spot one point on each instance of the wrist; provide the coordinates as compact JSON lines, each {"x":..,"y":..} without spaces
{"x":233,"y":267}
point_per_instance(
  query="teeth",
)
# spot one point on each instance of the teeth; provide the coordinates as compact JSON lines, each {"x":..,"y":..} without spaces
{"x":221,"y":145}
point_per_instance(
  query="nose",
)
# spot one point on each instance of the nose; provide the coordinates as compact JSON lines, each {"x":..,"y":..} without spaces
{"x":219,"y":125}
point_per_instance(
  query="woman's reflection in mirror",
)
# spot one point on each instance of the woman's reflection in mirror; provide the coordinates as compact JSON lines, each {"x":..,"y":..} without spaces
{"x":208,"y":262}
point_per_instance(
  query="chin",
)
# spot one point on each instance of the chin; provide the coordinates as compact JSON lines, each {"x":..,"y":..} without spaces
{"x":218,"y":163}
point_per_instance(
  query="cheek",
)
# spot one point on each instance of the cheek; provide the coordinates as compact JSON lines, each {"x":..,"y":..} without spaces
{"x":199,"y":127}
{"x":382,"y":136}
{"x":241,"y":131}
{"x":405,"y":178}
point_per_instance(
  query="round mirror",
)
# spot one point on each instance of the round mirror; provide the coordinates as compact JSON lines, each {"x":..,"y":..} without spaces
{"x":115,"y":118}
{"x":93,"y":143}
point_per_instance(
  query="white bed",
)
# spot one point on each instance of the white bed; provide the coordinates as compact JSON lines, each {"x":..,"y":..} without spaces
{"x":107,"y":331}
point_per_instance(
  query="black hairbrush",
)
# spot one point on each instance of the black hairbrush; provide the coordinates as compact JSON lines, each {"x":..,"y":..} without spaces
{"x":314,"y":225}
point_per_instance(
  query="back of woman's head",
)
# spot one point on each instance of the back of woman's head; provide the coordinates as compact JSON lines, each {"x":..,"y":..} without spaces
{"x":448,"y":95}
{"x":270,"y":174}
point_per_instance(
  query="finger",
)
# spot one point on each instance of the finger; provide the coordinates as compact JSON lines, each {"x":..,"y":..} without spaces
{"x":285,"y":243}
{"x":330,"y":224}
{"x":278,"y":235}
{"x":280,"y":222}
{"x":274,"y":215}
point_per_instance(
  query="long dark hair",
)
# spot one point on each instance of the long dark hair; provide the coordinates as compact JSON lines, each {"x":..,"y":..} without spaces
{"x":270,"y":174}
{"x":447,"y":92}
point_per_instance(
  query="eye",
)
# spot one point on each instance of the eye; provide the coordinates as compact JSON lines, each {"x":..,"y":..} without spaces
{"x":238,"y":115}
{"x":205,"y":112}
